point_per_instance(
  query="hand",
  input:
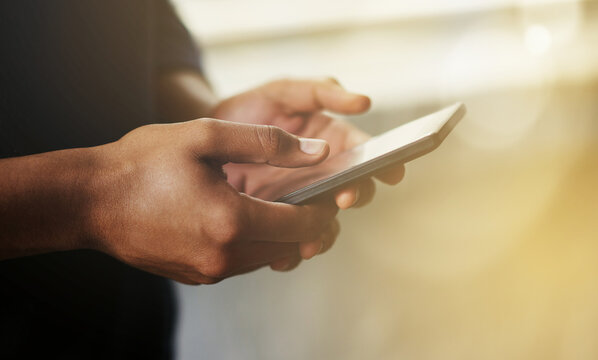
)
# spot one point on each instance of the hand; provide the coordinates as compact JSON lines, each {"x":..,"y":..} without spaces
{"x":161,"y":202}
{"x":296,"y":106}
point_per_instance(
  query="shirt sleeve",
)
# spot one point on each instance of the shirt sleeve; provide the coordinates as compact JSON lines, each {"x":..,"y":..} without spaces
{"x":174,"y":47}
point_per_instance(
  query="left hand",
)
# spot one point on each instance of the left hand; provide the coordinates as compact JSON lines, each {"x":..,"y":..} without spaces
{"x":296,"y":106}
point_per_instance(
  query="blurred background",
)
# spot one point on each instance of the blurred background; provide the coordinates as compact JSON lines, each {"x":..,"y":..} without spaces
{"x":489,"y":247}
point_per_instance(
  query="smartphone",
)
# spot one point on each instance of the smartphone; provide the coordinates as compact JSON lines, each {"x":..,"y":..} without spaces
{"x":396,"y":146}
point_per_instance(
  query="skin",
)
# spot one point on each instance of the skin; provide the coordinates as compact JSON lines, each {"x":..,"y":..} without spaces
{"x":296,"y":106}
{"x":158,"y":198}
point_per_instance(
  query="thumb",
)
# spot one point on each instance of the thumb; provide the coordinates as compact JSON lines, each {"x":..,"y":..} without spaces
{"x":226,"y":141}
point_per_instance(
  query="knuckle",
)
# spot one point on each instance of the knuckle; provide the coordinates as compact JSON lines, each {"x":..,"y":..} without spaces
{"x":218,"y":267}
{"x":234,"y":225}
{"x":203,"y":131}
{"x":229,"y":224}
{"x":331,"y":80}
{"x":225,"y":235}
{"x":207,"y":131}
{"x":270,"y":139}
{"x":141,"y":132}
{"x":230,"y":233}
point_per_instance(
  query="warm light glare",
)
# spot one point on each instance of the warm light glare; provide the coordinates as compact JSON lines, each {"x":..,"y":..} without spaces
{"x":488,"y":248}
{"x":538,"y":39}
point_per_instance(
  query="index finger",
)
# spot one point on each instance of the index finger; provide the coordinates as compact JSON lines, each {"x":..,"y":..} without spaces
{"x":271,"y":221}
{"x":315,"y":95}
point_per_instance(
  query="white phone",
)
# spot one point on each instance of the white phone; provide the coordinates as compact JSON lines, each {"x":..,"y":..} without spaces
{"x":396,"y":146}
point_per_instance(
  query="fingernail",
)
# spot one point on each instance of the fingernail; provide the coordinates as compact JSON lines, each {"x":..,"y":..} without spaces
{"x":357,"y":194}
{"x":321,"y":247}
{"x":286,"y":265}
{"x":312,"y":146}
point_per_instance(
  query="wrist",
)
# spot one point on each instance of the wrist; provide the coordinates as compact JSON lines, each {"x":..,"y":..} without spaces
{"x":90,"y":175}
{"x":77,"y":176}
{"x":44,"y":200}
{"x":107,"y":179}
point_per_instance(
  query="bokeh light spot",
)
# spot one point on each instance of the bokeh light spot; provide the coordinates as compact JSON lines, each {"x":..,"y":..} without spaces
{"x":538,"y":39}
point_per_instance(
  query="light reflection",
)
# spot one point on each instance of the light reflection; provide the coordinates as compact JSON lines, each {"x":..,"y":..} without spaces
{"x":488,"y":248}
{"x":537,"y":39}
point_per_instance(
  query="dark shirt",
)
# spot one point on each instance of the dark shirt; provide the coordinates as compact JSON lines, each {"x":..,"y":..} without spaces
{"x":75,"y":74}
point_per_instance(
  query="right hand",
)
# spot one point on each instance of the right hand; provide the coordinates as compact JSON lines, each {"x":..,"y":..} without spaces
{"x":160,"y":201}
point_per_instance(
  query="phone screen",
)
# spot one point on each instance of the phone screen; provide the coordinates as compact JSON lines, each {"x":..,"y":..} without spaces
{"x":397,"y":143}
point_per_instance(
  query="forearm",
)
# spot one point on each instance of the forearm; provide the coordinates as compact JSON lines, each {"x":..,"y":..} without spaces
{"x":45,"y":199}
{"x":184,"y":95}
{"x":44,"y":202}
